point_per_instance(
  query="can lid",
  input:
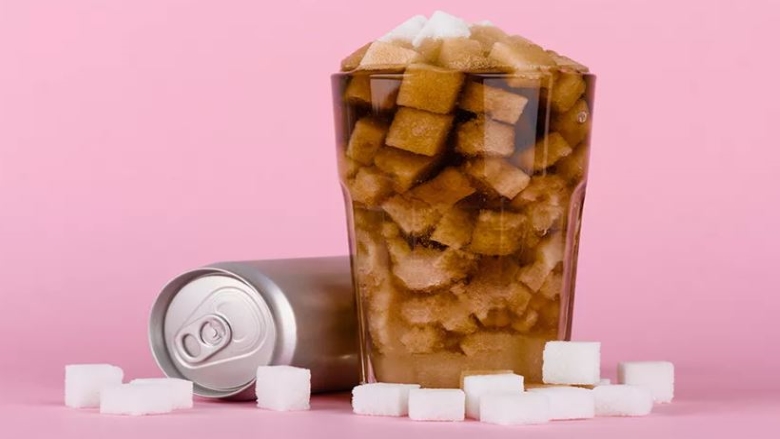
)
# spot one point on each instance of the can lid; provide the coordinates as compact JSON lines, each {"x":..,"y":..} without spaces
{"x":214,"y":329}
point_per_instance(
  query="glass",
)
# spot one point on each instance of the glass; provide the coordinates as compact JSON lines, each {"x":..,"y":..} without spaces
{"x":464,"y":197}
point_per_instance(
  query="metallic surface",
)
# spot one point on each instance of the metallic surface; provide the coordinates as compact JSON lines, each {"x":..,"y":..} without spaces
{"x":214,"y":325}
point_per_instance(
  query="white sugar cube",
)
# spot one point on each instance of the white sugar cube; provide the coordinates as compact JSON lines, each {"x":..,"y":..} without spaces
{"x":604,"y":382}
{"x":437,"y":404}
{"x":569,"y":402}
{"x":180,"y":391}
{"x":135,"y":400}
{"x":622,"y":400}
{"x":406,"y":31}
{"x":382,"y":399}
{"x":655,"y":376}
{"x":442,"y":25}
{"x":83,"y":383}
{"x":571,"y":362}
{"x":514,"y":408}
{"x":476,"y":386}
{"x":283,"y":388}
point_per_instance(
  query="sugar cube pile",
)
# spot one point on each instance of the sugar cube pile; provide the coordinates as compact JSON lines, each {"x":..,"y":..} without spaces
{"x":382,"y":399}
{"x":475,"y":386}
{"x":180,"y":391}
{"x":514,"y":408}
{"x":84,"y":382}
{"x":283,"y":388}
{"x":437,"y":404}
{"x":622,"y":400}
{"x":655,"y":376}
{"x":136,"y":399}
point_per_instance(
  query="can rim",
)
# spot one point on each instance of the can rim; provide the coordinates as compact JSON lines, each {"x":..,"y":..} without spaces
{"x":266,"y":290}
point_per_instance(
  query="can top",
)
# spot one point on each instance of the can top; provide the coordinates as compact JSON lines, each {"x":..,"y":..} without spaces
{"x":213,"y":328}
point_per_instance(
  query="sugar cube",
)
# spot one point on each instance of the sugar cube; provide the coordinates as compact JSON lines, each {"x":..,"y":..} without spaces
{"x":405,"y":168}
{"x":498,"y":233}
{"x":548,"y":151}
{"x":455,"y":228}
{"x":622,"y":400}
{"x":481,"y":136}
{"x":571,"y":362}
{"x":566,"y":90}
{"x":366,"y":139}
{"x":283,"y":388}
{"x":604,"y":382}
{"x":468,"y":373}
{"x":574,"y":124}
{"x":498,"y":175}
{"x":499,"y":104}
{"x":477,"y":386}
{"x":406,"y":31}
{"x":426,"y":269}
{"x":179,"y":390}
{"x":569,"y":402}
{"x":370,"y":186}
{"x":463,"y":54}
{"x":430,"y":88}
{"x":381,"y":55}
{"x":136,"y":400}
{"x":422,"y":340}
{"x":352,"y":61}
{"x":442,"y":25}
{"x":515,"y":408}
{"x":382,"y":399}
{"x":419,"y":131}
{"x":415,"y":217}
{"x":655,"y":376}
{"x":83,"y":383}
{"x":447,"y":188}
{"x":437,"y":404}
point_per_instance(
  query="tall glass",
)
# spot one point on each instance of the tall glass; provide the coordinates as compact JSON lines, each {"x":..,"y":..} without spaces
{"x":464,"y":195}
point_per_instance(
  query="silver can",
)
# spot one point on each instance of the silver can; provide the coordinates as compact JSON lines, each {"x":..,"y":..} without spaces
{"x":216,"y":324}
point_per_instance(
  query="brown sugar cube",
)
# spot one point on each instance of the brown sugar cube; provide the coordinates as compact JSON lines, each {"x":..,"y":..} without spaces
{"x":463,"y":54}
{"x":521,"y":54}
{"x":381,"y":56}
{"x":371,"y":261}
{"x":498,"y":233}
{"x":537,"y":80}
{"x":545,"y":215}
{"x":367,"y":219}
{"x":550,"y":313}
{"x":540,"y":188}
{"x":384,"y":326}
{"x":574,"y":166}
{"x":439,"y":309}
{"x":405,"y":168}
{"x":566,"y":62}
{"x":429,"y":50}
{"x":444,"y":190}
{"x":497,"y":103}
{"x":468,"y":373}
{"x":494,"y":287}
{"x":526,"y":323}
{"x":454,"y":229}
{"x":567,"y":88}
{"x":549,"y":150}
{"x":498,"y":174}
{"x":370,"y":187}
{"x":415,"y":217}
{"x":549,"y":253}
{"x":552,"y":286}
{"x":423,"y":340}
{"x":426,"y":269}
{"x":430,"y":88}
{"x":485,"y":137}
{"x":496,"y":319}
{"x":489,"y":342}
{"x":353,"y":60}
{"x":574,"y":124}
{"x":486,"y":36}
{"x":378,"y":93}
{"x":366,"y":139}
{"x":347,"y":167}
{"x":420,"y":132}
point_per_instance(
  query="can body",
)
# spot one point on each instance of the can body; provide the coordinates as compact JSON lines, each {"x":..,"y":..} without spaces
{"x":216,"y":324}
{"x":464,"y":221}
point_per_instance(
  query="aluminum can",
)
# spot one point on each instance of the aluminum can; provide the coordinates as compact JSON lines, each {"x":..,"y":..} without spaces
{"x":216,"y":324}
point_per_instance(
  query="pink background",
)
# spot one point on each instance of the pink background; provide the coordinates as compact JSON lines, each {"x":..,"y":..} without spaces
{"x":142,"y":138}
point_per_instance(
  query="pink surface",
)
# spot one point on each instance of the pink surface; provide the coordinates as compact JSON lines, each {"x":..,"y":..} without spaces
{"x":139,"y":139}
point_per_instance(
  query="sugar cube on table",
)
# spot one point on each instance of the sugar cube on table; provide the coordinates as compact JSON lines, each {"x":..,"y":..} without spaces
{"x":514,"y":408}
{"x":655,"y":376}
{"x":283,"y":388}
{"x":437,"y":404}
{"x":136,"y":400}
{"x":180,"y":390}
{"x":622,"y":400}
{"x":604,"y":382}
{"x":83,"y":383}
{"x":477,"y":386}
{"x":382,"y":399}
{"x":569,"y":402}
{"x":571,"y":362}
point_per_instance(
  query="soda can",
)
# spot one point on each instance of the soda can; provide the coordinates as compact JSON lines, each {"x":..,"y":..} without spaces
{"x":216,"y":324}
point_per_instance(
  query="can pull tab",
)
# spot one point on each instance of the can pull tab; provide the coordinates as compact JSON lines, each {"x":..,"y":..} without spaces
{"x":203,"y":338}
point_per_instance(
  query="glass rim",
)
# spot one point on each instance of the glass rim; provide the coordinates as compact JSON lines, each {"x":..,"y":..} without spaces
{"x":395,"y":73}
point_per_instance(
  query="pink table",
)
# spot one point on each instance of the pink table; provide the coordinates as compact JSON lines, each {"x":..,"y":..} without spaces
{"x":36,"y":410}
